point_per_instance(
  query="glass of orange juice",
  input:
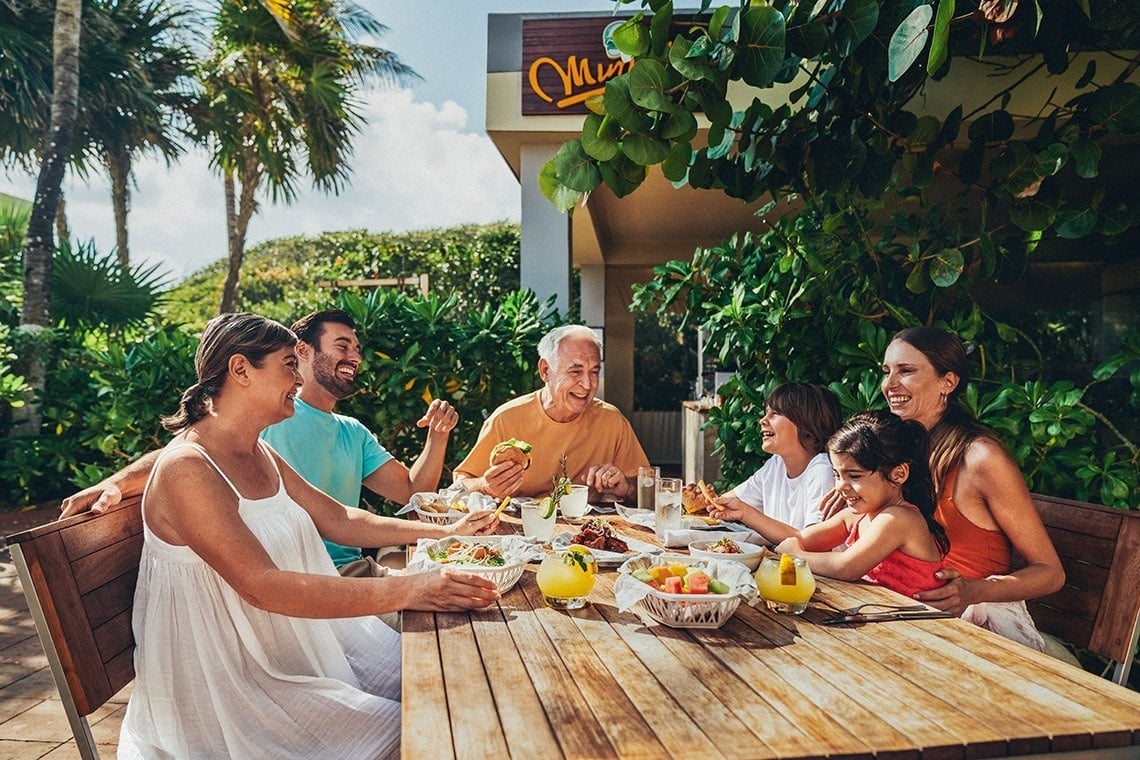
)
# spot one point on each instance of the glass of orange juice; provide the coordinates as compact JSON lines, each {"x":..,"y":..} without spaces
{"x":785,"y":582}
{"x":567,"y":578}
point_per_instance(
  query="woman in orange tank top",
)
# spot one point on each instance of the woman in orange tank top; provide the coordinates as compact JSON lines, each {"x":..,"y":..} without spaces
{"x":983,"y":501}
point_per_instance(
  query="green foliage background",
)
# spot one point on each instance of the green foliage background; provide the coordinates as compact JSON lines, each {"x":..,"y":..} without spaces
{"x":474,"y":346}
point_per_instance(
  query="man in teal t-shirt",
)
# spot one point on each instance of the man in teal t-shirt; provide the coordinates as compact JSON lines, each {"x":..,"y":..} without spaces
{"x":335,"y":453}
{"x":338,"y":454}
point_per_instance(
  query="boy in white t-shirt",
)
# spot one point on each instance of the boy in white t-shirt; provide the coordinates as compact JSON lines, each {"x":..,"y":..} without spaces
{"x":798,"y":419}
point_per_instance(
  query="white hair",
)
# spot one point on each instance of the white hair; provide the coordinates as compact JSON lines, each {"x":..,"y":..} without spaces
{"x":548,"y":346}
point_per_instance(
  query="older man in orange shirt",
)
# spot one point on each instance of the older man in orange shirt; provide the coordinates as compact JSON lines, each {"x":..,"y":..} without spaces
{"x":562,"y":417}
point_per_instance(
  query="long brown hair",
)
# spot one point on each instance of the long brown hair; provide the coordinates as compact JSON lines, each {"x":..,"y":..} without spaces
{"x":956,"y":428}
{"x":251,"y":336}
{"x":879,"y":442}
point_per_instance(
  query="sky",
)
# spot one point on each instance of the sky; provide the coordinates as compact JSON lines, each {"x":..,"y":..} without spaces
{"x":422,"y":159}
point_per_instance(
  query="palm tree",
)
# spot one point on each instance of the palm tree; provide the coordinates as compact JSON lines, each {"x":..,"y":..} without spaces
{"x":279,"y":102}
{"x":40,"y":243}
{"x":55,"y":153}
{"x":134,"y":100}
{"x":25,"y":78}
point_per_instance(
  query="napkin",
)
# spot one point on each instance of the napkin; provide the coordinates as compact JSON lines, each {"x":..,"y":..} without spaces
{"x":456,"y":491}
{"x":682,"y":537}
{"x":628,"y":590}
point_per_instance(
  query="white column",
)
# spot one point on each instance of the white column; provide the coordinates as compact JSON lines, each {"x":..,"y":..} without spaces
{"x":544,"y":265}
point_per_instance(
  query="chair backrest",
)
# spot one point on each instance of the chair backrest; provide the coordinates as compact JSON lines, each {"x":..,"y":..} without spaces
{"x":1099,"y":607}
{"x":79,"y":577}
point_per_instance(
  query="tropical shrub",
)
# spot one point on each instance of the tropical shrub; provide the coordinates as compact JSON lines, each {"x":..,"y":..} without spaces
{"x":478,"y":263}
{"x":793,"y":315}
{"x":421,"y":348}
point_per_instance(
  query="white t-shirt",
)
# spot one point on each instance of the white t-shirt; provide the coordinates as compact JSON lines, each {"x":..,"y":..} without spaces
{"x":794,"y":501}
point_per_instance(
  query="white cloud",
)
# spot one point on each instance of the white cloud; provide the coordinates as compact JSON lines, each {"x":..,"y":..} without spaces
{"x":414,"y":167}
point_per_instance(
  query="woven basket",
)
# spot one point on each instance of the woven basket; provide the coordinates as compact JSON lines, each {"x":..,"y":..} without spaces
{"x":504,"y":577}
{"x":690,"y":610}
{"x":449,"y":517}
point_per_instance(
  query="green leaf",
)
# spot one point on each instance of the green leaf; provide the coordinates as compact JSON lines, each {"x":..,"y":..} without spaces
{"x":938,"y":43}
{"x":1117,"y":107}
{"x":631,"y":38}
{"x":620,"y":105}
{"x":687,"y":64}
{"x":659,"y":27}
{"x":1031,"y":215}
{"x":622,"y":175}
{"x":1086,"y":157}
{"x":563,"y":198}
{"x":908,"y":41}
{"x":599,"y":139}
{"x":681,"y":125}
{"x":916,"y":280}
{"x":946,"y":267}
{"x":575,"y":169}
{"x":676,"y":166}
{"x":1076,"y":223}
{"x":645,"y":150}
{"x":760,"y":45}
{"x":862,"y":16}
{"x":648,"y":82}
{"x":716,"y":22}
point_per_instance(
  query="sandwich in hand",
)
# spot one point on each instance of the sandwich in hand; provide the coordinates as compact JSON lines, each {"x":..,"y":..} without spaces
{"x":697,"y":497}
{"x":512,"y":450}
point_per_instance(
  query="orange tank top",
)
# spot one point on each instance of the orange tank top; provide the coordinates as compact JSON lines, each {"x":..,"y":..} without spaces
{"x":974,"y":552}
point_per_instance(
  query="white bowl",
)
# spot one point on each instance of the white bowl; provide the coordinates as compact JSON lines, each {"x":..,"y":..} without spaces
{"x":504,"y":576}
{"x":750,"y":555}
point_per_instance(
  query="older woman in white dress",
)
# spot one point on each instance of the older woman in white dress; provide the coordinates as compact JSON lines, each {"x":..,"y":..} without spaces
{"x":249,"y":643}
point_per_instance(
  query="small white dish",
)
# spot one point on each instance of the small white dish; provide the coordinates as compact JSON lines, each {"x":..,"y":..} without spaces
{"x":750,"y":554}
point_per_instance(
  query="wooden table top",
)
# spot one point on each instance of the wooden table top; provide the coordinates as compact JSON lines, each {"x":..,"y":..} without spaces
{"x":522,"y":680}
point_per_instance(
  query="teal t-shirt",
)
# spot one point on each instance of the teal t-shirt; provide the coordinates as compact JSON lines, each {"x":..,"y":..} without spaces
{"x":334,"y":453}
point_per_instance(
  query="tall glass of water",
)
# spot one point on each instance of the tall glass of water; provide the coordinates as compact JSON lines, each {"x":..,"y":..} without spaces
{"x":647,"y":486}
{"x":667,"y":510}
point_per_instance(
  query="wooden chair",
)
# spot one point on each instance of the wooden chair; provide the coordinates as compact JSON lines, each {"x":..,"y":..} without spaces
{"x":1098,"y":608}
{"x":79,"y":578}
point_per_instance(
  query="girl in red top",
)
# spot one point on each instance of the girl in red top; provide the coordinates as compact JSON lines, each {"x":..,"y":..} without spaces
{"x":887,"y":529}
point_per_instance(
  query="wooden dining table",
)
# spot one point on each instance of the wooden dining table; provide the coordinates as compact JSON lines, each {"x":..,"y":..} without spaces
{"x":523,"y":680}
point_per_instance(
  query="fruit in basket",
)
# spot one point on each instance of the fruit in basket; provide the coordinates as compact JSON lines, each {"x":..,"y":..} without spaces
{"x":680,"y":579}
{"x":512,"y":450}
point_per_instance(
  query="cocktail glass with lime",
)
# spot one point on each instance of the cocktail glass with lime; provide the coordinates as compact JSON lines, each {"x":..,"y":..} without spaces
{"x":566,"y":578}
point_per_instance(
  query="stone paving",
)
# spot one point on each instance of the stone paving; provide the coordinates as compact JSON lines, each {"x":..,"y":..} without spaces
{"x":32,"y":721}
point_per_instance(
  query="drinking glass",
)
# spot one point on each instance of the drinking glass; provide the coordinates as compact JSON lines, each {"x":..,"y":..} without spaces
{"x":667,"y":509}
{"x":785,"y":582}
{"x":566,"y":578}
{"x":538,"y":519}
{"x":647,"y":486}
{"x":574,"y":504}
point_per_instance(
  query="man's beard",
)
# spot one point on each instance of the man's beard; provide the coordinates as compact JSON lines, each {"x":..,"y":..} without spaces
{"x":324,"y":372}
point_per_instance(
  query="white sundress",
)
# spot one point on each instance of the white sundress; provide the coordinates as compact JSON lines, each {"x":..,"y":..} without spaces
{"x":216,"y":677}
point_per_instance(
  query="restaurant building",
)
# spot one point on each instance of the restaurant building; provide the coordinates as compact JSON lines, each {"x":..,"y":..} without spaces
{"x":540,"y":70}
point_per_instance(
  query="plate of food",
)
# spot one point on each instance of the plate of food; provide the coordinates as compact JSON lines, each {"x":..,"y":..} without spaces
{"x":607,"y":545}
{"x":500,"y":558}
